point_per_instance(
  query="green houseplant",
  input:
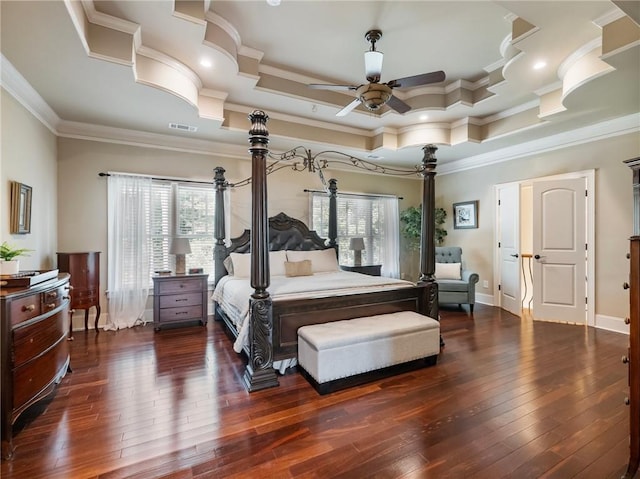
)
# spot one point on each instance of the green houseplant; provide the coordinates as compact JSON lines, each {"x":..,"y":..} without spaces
{"x":8,"y":262}
{"x":411,"y":225}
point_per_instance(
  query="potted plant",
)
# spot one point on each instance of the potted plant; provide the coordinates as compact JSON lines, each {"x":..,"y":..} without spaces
{"x":8,"y":263}
{"x":411,"y":219}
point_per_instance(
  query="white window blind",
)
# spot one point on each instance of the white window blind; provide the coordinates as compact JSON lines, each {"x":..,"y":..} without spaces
{"x":185,"y":210}
{"x":363,"y":216}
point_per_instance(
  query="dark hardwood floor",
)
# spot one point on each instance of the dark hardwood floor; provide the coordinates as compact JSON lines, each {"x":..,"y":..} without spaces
{"x":508,"y":398}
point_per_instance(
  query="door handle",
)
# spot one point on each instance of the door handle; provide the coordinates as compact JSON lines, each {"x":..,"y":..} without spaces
{"x":514,"y":255}
{"x":537,"y":256}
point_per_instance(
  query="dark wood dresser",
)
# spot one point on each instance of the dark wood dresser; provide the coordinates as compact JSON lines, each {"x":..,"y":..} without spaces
{"x":180,"y":298}
{"x":633,"y":356}
{"x":84,"y":269}
{"x":35,"y":352}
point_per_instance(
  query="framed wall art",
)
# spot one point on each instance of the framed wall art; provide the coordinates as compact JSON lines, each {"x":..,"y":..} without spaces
{"x":465,"y":215}
{"x":20,"y":216}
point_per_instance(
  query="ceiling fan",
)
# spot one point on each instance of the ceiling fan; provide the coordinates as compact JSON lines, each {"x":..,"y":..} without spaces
{"x":374,"y":95}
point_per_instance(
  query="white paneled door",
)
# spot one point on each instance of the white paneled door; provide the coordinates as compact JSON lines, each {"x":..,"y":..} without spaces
{"x":559,"y":251}
{"x":509,"y":247}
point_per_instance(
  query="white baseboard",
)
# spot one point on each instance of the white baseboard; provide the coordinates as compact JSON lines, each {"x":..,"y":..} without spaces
{"x":611,"y":323}
{"x":484,"y":299}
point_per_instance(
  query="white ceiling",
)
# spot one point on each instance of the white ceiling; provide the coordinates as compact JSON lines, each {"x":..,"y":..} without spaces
{"x":124,"y":70}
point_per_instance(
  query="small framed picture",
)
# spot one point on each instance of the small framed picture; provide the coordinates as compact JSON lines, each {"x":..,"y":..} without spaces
{"x":465,"y":215}
{"x":196,"y":270}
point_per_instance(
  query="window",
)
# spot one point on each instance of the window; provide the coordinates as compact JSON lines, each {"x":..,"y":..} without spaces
{"x":373,"y":218}
{"x":184,"y":210}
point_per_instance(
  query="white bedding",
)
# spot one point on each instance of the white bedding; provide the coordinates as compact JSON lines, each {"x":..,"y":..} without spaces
{"x":233,"y":294}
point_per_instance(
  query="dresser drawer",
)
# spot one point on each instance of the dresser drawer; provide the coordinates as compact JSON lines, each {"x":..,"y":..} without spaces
{"x":180,"y":286}
{"x":180,"y":300}
{"x":180,"y":314}
{"x":25,"y":308}
{"x":53,"y":298}
{"x":29,"y":341}
{"x":34,"y":376}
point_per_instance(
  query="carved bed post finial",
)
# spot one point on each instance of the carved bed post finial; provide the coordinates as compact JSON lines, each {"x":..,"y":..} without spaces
{"x":259,"y":373}
{"x":333,"y":213}
{"x":219,"y":249}
{"x":427,"y":238}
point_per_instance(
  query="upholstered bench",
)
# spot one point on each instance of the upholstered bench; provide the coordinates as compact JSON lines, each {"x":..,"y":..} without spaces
{"x":345,"y":353}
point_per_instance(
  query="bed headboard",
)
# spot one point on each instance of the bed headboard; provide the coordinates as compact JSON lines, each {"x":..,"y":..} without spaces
{"x":285,"y":233}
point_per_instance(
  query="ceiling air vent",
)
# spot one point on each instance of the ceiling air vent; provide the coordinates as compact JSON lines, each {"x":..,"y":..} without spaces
{"x":178,"y":126}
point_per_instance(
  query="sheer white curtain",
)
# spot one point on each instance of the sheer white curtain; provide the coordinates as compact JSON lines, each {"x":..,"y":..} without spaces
{"x":129,"y":203}
{"x":391,"y":227}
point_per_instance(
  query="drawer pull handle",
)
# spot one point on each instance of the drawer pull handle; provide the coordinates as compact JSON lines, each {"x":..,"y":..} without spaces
{"x":627,"y":320}
{"x":181,"y":299}
{"x":66,"y":297}
{"x":625,"y":285}
{"x":51,"y":305}
{"x":53,"y":294}
{"x":625,"y":359}
{"x":627,"y":401}
{"x":29,"y":308}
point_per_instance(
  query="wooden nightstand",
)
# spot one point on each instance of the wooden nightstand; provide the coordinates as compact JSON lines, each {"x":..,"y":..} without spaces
{"x":370,"y":269}
{"x":180,"y":298}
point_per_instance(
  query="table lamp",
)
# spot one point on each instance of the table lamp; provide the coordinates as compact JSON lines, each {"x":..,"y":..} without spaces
{"x":357,"y":245}
{"x":180,"y":247}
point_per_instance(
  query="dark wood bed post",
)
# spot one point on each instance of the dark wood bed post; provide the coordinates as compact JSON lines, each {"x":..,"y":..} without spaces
{"x":333,"y":214}
{"x":259,"y":373}
{"x":427,"y":237}
{"x":219,"y":249}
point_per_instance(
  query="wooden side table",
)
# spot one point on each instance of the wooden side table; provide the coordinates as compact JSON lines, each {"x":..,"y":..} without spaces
{"x":180,"y":298}
{"x":370,"y":269}
{"x":84,"y":269}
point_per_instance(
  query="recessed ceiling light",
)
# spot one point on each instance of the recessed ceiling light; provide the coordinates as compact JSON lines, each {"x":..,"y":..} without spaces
{"x":539,"y":65}
{"x":424,"y":117}
{"x":273,"y":3}
{"x":205,"y":62}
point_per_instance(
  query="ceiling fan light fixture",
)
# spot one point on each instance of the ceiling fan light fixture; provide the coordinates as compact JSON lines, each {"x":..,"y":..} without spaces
{"x":373,"y":65}
{"x":374,"y":95}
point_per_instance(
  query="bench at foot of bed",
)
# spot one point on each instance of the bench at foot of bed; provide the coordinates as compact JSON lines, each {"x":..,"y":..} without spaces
{"x":346,"y":353}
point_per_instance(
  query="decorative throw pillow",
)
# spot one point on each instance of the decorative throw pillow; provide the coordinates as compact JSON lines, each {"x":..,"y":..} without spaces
{"x":322,"y":261}
{"x":298,"y":268}
{"x":448,"y":271}
{"x":241,"y":264}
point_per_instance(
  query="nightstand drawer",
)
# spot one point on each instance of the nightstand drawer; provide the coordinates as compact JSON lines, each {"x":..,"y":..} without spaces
{"x":180,"y":314}
{"x":180,"y":286}
{"x":180,"y":300}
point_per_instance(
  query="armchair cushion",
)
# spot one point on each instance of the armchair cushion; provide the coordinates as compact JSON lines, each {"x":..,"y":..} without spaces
{"x":448,"y":271}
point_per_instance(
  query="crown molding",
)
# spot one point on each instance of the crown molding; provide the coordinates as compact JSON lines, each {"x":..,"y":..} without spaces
{"x":600,"y":131}
{"x":18,"y":87}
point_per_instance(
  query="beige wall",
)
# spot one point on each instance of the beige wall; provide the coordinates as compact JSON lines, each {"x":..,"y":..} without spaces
{"x":82,"y":200}
{"x":613,"y":221}
{"x":29,"y":156}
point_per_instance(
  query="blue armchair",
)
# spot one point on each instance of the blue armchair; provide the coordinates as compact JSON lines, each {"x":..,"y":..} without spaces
{"x":456,"y":285}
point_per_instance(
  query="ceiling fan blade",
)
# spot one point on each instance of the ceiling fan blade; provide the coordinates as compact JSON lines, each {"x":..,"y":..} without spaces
{"x":323,"y":86}
{"x":418,"y":80}
{"x":349,"y":107}
{"x":398,"y":105}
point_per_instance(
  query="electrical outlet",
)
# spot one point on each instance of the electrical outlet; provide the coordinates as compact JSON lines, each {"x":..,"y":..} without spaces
{"x":485,"y":284}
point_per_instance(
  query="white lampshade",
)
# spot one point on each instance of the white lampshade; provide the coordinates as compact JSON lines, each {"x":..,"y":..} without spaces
{"x":356,"y":244}
{"x":180,"y":246}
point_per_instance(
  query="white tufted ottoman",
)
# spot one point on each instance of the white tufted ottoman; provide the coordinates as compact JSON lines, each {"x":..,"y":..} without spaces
{"x":340,"y":354}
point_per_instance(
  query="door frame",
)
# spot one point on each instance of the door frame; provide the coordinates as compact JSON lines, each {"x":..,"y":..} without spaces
{"x":589,"y":176}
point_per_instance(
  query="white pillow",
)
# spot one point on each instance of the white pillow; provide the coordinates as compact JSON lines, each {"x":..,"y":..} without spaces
{"x":276,"y":263}
{"x":241,"y":264}
{"x":448,"y":271}
{"x":322,"y":261}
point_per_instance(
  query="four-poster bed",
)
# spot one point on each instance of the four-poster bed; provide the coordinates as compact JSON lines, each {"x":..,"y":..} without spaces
{"x":273,"y":322}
